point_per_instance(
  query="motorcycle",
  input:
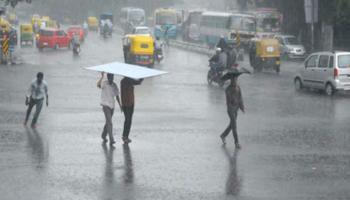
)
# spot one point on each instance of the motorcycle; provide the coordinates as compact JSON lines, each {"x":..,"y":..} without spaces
{"x":76,"y":49}
{"x":158,"y":56}
{"x":214,"y":74}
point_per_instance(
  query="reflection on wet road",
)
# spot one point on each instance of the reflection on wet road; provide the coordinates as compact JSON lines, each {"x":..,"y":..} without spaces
{"x":295,"y":145}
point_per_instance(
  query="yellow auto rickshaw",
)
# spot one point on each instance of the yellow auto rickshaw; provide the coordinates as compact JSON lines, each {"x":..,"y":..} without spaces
{"x":12,"y":18}
{"x":4,"y":25}
{"x":92,"y":23}
{"x":264,"y":54}
{"x":26,"y":32}
{"x":139,"y":50}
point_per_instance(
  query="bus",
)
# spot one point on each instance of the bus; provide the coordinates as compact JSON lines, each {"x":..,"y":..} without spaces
{"x":131,"y":17}
{"x":191,"y":26}
{"x":244,"y":25}
{"x":213,"y":26}
{"x":259,"y":23}
{"x":166,"y":20}
{"x":268,"y":21}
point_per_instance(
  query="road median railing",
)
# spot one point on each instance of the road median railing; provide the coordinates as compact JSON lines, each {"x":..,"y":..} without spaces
{"x":198,"y":48}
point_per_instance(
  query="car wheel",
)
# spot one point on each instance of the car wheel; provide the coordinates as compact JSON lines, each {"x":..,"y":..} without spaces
{"x":298,"y":85}
{"x":329,"y":89}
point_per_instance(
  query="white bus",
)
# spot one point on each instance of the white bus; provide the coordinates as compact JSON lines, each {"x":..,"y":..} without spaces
{"x":132,"y":17}
{"x":213,"y":26}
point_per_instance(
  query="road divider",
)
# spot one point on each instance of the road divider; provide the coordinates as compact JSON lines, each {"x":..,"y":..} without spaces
{"x":198,"y":48}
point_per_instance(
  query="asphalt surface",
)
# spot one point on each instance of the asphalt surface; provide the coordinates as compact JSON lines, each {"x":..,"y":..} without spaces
{"x":295,"y":144}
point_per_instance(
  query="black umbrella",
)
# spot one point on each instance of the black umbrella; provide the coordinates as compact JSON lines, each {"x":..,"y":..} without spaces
{"x":233,"y":73}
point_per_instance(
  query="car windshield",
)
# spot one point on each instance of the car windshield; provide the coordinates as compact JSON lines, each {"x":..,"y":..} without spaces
{"x":344,"y":61}
{"x":166,"y":19}
{"x":74,"y":29}
{"x":46,"y":33}
{"x":291,"y":41}
{"x":269,"y":25}
{"x":136,"y":15}
{"x":142,"y":31}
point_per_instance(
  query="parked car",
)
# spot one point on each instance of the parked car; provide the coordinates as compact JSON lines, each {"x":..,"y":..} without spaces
{"x":290,"y":47}
{"x":329,"y":71}
{"x":76,"y":30}
{"x":53,"y":38}
{"x":141,"y":30}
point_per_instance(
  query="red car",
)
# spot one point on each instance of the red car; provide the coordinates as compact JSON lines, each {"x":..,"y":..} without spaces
{"x":53,"y":38}
{"x":76,"y":30}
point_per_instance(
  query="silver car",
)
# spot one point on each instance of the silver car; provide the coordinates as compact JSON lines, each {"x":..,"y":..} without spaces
{"x":329,"y":71}
{"x":290,"y":47}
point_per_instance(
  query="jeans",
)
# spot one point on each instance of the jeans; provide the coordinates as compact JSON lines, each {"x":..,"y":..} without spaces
{"x":108,"y":128}
{"x":232,"y":126}
{"x":128,"y":112}
{"x":39,"y":104}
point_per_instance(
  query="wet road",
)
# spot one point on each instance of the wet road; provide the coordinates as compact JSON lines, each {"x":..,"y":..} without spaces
{"x":295,"y":145}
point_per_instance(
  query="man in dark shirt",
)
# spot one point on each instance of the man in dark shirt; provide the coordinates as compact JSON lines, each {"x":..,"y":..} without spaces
{"x":234,"y":102}
{"x":128,"y":102}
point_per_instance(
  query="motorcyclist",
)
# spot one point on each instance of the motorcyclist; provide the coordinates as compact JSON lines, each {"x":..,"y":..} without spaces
{"x":158,"y":44}
{"x":222,"y":44}
{"x":110,"y":26}
{"x":219,"y":61}
{"x":76,"y":42}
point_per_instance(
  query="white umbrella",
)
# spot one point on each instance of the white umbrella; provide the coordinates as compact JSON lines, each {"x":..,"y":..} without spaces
{"x":127,"y":70}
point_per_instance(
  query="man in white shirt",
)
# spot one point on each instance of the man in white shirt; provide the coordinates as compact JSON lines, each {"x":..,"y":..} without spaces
{"x":109,"y":92}
{"x":35,"y":97}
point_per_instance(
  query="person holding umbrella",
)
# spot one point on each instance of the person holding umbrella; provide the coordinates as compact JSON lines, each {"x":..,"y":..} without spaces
{"x":109,"y":92}
{"x":128,"y":102}
{"x":234,"y":102}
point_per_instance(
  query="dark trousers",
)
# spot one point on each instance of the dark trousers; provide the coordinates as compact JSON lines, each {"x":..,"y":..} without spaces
{"x":39,"y":104}
{"x":108,"y":128}
{"x":232,"y":126}
{"x":128,"y":112}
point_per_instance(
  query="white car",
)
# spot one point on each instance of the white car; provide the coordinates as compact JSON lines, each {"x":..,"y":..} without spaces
{"x":291,"y":47}
{"x":328,"y":71}
{"x":141,"y":30}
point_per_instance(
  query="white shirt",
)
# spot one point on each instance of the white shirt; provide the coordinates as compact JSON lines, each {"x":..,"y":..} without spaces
{"x":43,"y":25}
{"x":108,"y":94}
{"x":37,"y":91}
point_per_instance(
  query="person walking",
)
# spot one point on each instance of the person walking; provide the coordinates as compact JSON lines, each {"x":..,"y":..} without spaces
{"x":37,"y":91}
{"x":234,"y":102}
{"x":128,"y":102}
{"x":109,"y":91}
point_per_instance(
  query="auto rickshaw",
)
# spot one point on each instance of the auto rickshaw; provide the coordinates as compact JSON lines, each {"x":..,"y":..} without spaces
{"x":12,"y":18}
{"x":106,"y":24}
{"x":92,"y":23}
{"x":4,"y":25}
{"x":26,"y":31}
{"x":139,"y":50}
{"x":264,"y":54}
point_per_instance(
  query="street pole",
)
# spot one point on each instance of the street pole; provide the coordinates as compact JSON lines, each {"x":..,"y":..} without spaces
{"x":312,"y":25}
